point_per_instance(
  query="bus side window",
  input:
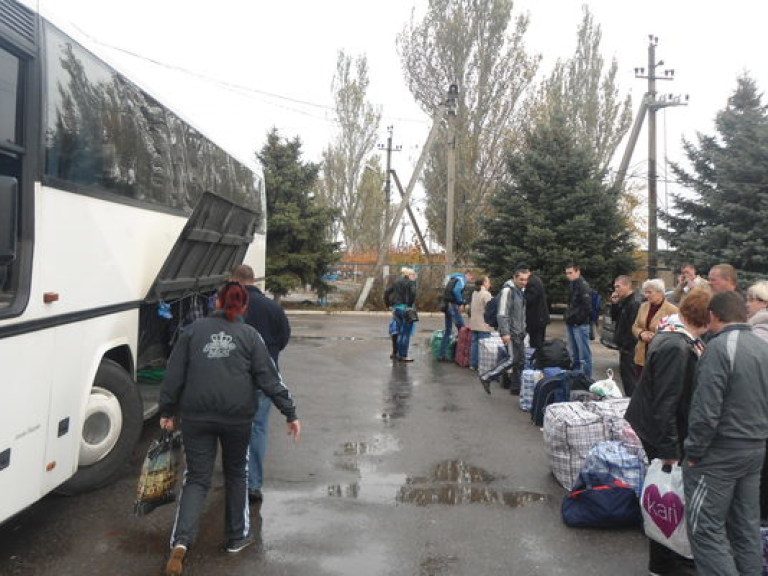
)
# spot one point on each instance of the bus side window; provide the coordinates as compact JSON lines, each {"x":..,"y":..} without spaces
{"x":10,"y":165}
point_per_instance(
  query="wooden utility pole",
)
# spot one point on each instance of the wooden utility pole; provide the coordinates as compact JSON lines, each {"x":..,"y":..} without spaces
{"x":392,"y":224}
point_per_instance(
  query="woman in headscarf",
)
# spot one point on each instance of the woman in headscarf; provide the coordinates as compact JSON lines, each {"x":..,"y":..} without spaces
{"x":652,"y":310}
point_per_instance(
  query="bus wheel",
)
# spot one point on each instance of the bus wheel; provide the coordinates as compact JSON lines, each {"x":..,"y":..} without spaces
{"x":111,"y":427}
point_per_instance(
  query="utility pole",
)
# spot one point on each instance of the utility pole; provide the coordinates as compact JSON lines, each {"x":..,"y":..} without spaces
{"x":392,"y":224}
{"x":451,"y":102}
{"x":652,"y":104}
{"x":388,"y":183}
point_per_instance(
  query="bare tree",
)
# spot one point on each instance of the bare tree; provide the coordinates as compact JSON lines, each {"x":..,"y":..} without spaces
{"x":345,"y":159}
{"x":476,"y":45}
{"x":585,"y":92}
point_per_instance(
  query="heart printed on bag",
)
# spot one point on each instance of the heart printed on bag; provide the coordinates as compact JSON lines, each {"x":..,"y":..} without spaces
{"x":666,"y":511}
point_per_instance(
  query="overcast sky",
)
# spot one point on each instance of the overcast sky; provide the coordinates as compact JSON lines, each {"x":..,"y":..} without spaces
{"x":263,"y":64}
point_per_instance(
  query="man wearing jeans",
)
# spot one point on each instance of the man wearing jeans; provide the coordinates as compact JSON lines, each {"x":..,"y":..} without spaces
{"x":725,"y":446}
{"x":270,"y":321}
{"x":578,"y":317}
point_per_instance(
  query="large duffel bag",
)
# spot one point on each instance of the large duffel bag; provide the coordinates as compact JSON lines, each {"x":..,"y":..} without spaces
{"x":600,"y":500}
{"x":528,"y":384}
{"x":435,"y":342}
{"x":556,"y":388}
{"x":619,"y":460}
{"x":552,"y":354}
{"x":463,"y":347}
{"x":570,"y":432}
{"x":491,"y":351}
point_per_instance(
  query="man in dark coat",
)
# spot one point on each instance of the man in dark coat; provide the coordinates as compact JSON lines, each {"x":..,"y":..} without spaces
{"x":270,"y":321}
{"x":536,"y":310}
{"x":624,"y":306}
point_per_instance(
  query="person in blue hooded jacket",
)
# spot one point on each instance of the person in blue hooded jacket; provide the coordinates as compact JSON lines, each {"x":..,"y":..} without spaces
{"x":453,"y":302}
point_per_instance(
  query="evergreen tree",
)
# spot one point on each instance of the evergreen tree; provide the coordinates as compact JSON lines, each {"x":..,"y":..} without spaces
{"x":298,"y":249}
{"x":722,"y":216}
{"x":557,"y":210}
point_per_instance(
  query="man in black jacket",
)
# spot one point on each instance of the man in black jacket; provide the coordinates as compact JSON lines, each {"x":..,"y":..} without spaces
{"x":536,"y":310}
{"x":578,"y":318}
{"x":624,"y":306}
{"x":270,"y":321}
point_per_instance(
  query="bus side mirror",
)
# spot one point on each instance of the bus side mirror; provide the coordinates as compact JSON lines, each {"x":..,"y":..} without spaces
{"x":9,"y":198}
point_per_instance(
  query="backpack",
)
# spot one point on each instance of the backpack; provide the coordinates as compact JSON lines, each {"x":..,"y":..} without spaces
{"x":448,"y":293}
{"x":556,"y":388}
{"x":491,"y":311}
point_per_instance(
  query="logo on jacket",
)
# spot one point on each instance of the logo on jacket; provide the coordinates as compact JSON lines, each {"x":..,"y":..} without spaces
{"x":220,"y":346}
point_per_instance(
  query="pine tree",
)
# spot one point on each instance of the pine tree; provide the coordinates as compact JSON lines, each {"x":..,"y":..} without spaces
{"x":722,"y":216}
{"x":556,"y":212}
{"x":298,"y":249}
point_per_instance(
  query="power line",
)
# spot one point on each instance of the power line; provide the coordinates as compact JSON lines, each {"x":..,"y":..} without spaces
{"x":236,"y":88}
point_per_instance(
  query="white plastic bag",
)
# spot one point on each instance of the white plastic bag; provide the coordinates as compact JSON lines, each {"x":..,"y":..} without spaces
{"x":663,"y":507}
{"x":607,"y":388}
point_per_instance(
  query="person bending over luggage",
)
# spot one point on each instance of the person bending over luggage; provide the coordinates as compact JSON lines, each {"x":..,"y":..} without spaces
{"x":209,"y":389}
{"x":401,"y":298}
{"x":658,"y":410}
{"x":511,"y":322}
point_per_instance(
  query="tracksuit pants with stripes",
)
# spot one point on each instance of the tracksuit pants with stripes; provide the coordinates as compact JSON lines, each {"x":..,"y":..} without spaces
{"x":722,"y":495}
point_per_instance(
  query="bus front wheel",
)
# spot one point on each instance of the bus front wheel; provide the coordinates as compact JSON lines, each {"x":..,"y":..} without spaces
{"x":111,"y":427}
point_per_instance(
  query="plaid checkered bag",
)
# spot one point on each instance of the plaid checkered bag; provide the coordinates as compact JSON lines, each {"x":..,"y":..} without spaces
{"x":491,"y":352}
{"x":528,"y":385}
{"x":623,"y":461}
{"x":570,"y":431}
{"x":611,"y":411}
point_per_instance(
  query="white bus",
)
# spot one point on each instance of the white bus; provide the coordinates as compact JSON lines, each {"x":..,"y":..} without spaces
{"x":117,"y":221}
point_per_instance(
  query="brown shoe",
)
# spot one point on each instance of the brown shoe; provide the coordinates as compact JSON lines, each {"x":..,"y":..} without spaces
{"x":175,"y":567}
{"x":405,"y":359}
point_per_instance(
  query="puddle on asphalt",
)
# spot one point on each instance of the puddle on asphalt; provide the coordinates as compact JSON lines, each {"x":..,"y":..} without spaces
{"x":451,"y":482}
{"x":379,"y":444}
{"x":456,"y":482}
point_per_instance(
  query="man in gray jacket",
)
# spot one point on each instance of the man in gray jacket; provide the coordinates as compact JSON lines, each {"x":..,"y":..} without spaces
{"x":725,"y":446}
{"x":511,"y":322}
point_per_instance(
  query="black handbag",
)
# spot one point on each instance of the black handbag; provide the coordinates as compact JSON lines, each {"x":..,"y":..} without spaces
{"x":411,"y":315}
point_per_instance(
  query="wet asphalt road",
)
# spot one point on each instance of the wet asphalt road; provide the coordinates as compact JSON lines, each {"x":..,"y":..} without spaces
{"x":402,"y":470}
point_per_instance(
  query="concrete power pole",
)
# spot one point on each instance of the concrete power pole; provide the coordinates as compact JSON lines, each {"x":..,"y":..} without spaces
{"x":652,"y":104}
{"x":388,"y":183}
{"x":451,"y":102}
{"x":392,"y":224}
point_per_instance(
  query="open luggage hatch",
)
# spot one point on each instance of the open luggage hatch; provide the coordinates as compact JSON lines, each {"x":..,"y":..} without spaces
{"x":214,"y":240}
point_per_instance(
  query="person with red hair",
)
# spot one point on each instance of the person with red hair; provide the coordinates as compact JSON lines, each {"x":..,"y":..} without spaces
{"x":209,"y":389}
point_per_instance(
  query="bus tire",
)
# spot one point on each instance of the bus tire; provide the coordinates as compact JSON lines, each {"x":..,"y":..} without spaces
{"x":111,"y":427}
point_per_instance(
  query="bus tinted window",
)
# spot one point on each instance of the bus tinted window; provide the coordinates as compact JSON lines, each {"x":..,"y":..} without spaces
{"x":9,"y":88}
{"x":104,"y":134}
